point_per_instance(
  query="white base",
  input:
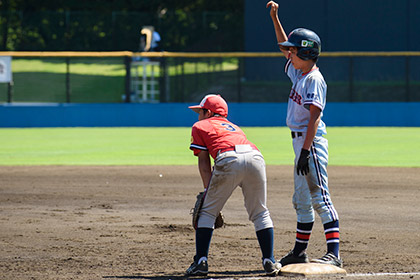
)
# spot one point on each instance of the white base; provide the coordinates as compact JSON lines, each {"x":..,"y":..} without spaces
{"x":305,"y":269}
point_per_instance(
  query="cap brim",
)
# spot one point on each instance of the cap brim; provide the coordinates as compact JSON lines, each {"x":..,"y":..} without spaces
{"x":287,"y":44}
{"x":195,"y":108}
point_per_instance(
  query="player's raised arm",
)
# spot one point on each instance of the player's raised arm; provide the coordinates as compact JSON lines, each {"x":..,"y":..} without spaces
{"x":280,"y":34}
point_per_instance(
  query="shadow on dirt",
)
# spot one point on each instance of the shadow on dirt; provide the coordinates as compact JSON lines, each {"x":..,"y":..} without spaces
{"x":212,"y":275}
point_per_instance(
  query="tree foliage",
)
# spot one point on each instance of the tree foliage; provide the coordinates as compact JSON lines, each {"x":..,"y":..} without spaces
{"x":185,"y":25}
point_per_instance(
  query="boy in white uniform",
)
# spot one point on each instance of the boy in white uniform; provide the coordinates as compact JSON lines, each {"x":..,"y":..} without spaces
{"x":306,"y":104}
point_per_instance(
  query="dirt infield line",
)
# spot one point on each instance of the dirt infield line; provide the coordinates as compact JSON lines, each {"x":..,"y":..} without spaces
{"x":384,"y":274}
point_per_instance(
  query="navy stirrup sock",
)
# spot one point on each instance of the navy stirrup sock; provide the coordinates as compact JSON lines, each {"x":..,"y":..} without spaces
{"x":266,"y":241}
{"x":202,"y":242}
{"x":303,"y":233}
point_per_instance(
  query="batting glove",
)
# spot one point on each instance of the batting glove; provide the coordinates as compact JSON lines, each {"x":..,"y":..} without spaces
{"x":303,"y":162}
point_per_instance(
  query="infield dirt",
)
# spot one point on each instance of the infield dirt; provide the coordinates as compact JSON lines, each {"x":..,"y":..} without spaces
{"x":128,"y":222}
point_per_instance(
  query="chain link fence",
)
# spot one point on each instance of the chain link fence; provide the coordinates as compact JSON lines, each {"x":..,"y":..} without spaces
{"x":114,"y":77}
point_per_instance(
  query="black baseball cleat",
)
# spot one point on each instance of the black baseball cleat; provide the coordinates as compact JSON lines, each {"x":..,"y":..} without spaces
{"x":270,"y":268}
{"x":292,"y":258}
{"x":329,"y":258}
{"x":198,"y":269}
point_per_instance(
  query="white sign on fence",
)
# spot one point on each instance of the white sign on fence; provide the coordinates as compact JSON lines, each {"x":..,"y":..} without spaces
{"x":5,"y":69}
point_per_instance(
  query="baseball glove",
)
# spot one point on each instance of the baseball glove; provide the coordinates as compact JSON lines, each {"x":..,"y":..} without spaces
{"x":220,"y":219}
{"x":196,"y":209}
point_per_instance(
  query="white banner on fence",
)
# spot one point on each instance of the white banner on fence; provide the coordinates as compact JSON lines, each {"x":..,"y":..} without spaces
{"x":5,"y":69}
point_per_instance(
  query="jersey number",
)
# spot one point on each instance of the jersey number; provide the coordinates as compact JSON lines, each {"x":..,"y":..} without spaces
{"x":228,"y":127}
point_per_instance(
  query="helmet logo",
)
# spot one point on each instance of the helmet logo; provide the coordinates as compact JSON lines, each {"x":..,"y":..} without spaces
{"x":307,"y":44}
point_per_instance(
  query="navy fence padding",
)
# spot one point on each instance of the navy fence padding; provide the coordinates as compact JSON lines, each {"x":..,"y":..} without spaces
{"x":178,"y":114}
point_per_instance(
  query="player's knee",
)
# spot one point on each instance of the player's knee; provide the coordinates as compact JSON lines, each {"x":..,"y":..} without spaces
{"x":305,"y":213}
{"x":326,"y":213}
{"x":206,"y":220}
{"x":262,"y":220}
{"x":303,"y":207}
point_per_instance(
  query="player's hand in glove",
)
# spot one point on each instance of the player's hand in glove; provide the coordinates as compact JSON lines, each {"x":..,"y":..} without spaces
{"x":196,"y":209}
{"x":303,"y":162}
{"x":220,"y":221}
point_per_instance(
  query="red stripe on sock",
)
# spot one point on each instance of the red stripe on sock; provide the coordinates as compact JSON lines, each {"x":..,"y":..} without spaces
{"x":302,"y":236}
{"x":332,"y":235}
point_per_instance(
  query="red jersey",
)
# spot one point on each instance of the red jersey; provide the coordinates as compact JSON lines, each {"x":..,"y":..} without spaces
{"x":215,"y":134}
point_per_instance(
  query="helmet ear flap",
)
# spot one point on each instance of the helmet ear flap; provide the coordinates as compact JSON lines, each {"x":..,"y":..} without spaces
{"x":308,"y":53}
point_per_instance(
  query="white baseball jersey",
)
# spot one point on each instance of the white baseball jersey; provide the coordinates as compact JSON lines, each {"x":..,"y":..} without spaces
{"x":308,"y":89}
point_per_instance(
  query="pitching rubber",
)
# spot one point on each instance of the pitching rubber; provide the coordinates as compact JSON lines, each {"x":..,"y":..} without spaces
{"x":307,"y":269}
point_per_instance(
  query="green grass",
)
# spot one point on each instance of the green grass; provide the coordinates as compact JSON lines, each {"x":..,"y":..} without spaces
{"x":82,"y":66}
{"x":108,"y":66}
{"x":357,"y":146}
{"x":367,"y":146}
{"x":92,"y":80}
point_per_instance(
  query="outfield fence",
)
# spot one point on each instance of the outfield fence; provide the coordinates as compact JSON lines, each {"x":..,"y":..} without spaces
{"x":161,"y":77}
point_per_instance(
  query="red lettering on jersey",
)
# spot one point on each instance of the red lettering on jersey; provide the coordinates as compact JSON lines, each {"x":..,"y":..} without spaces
{"x":295,"y":96}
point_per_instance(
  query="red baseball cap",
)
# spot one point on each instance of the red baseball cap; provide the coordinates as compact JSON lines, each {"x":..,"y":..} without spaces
{"x":214,"y":103}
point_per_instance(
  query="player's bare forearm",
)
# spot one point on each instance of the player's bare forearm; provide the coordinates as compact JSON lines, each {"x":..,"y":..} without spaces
{"x":313,"y":123}
{"x":204,"y":167}
{"x":278,"y":28}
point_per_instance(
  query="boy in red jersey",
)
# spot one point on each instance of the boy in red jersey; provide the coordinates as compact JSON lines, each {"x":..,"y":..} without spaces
{"x":237,"y":162}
